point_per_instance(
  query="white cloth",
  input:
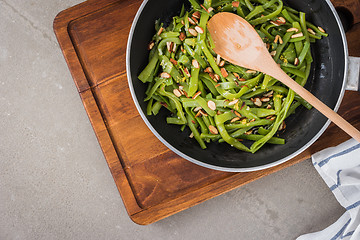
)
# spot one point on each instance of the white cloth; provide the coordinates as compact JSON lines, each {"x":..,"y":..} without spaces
{"x":340,"y":168}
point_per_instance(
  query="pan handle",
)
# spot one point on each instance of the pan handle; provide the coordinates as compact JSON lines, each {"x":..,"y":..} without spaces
{"x":353,"y":78}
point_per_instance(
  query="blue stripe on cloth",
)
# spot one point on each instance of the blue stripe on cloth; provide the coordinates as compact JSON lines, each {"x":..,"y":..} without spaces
{"x":354,"y":205}
{"x":348,"y":234}
{"x":326,"y":160}
{"x":338,"y":177}
{"x":337,"y":235}
{"x":333,"y":187}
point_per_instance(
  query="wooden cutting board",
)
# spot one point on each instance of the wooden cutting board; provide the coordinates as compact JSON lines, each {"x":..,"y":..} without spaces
{"x":153,"y":181}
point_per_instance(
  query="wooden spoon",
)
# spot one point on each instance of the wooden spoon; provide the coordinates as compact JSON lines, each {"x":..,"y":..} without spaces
{"x":237,"y":41}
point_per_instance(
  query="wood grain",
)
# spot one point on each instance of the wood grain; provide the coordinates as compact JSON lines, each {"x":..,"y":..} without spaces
{"x":153,"y":182}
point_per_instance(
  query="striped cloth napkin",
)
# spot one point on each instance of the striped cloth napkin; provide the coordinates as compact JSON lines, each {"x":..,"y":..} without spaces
{"x":340,"y":168}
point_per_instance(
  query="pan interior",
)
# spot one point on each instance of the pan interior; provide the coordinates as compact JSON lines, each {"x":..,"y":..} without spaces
{"x":325,"y":82}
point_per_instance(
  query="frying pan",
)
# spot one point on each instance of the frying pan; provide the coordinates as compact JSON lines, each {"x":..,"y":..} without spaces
{"x":326,"y":82}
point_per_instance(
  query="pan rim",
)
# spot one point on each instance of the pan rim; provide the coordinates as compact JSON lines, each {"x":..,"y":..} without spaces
{"x":226,"y":169}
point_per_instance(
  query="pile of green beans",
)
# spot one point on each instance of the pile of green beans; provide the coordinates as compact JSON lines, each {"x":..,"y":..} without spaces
{"x":220,"y":101}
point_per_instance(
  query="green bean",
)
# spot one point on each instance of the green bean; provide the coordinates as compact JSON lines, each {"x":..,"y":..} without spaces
{"x":149,"y":107}
{"x":146,"y":73}
{"x":195,"y":132}
{"x":227,"y":138}
{"x":156,"y":107}
{"x":269,"y":16}
{"x":257,"y":10}
{"x":253,"y":137}
{"x":261,"y":112}
{"x":249,"y":124}
{"x":158,"y":82}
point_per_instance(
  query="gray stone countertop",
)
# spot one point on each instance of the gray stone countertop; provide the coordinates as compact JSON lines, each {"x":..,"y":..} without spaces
{"x":54,"y":180}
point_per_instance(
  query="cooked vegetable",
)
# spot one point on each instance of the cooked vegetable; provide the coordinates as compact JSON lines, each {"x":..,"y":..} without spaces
{"x":220,"y":101}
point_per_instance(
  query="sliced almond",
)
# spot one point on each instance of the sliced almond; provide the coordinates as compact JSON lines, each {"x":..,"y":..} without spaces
{"x":282,"y":126}
{"x":268,"y":106}
{"x":187,"y":73}
{"x":191,"y":21}
{"x":292,"y":30}
{"x":169,"y":46}
{"x":195,"y":63}
{"x":208,"y":10}
{"x":280,"y":40}
{"x":208,"y":70}
{"x":197,"y":109}
{"x":265,"y":99}
{"x":257,"y":102}
{"x":182,"y":49}
{"x":211,"y":105}
{"x":177,"y":92}
{"x":251,"y":71}
{"x":275,"y":23}
{"x":237,"y":114}
{"x":233,"y":102}
{"x":212,"y":76}
{"x":273,"y":53}
{"x":222,"y":63}
{"x":224,"y":73}
{"x":234,"y":119}
{"x":249,"y":132}
{"x":198,"y":114}
{"x":218,"y":59}
{"x":151,"y":45}
{"x":165,"y":75}
{"x":321,"y":29}
{"x":199,"y":29}
{"x":191,"y":135}
{"x":217,"y":77}
{"x":269,"y":94}
{"x":193,"y":32}
{"x":236,"y":75}
{"x":203,"y":113}
{"x":281,"y":20}
{"x":297,"y":35}
{"x":276,"y":38}
{"x":182,"y":36}
{"x":296,"y":61}
{"x":160,"y":31}
{"x":196,"y":14}
{"x":235,"y":4}
{"x":195,"y":20}
{"x":196,"y":94}
{"x":213,"y":130}
{"x":173,"y":61}
{"x":311,"y":31}
{"x":182,"y":22}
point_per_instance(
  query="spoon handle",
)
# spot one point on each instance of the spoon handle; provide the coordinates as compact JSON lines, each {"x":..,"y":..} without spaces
{"x":316,"y":103}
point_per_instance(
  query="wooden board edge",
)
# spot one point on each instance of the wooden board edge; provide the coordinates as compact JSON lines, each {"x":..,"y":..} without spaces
{"x":166,"y":209}
{"x":61,"y":24}
{"x":111,"y":157}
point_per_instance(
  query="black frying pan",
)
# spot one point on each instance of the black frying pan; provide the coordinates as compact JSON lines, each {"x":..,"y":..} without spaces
{"x":326,"y":82}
